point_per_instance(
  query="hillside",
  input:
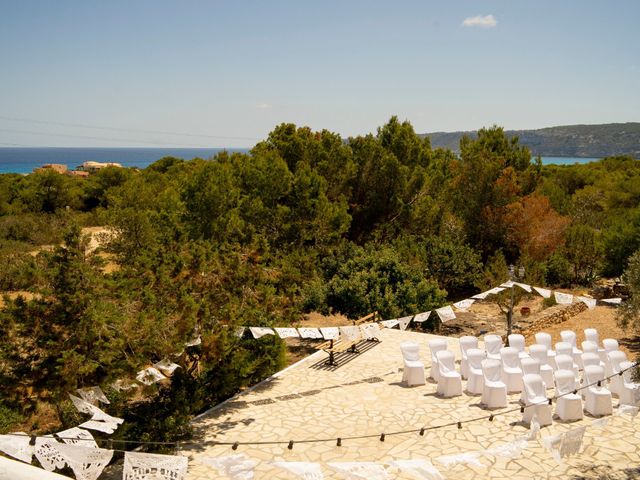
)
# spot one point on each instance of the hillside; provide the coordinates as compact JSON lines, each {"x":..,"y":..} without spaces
{"x":565,"y":141}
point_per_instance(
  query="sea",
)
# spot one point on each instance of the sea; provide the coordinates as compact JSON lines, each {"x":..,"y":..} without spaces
{"x":24,"y":159}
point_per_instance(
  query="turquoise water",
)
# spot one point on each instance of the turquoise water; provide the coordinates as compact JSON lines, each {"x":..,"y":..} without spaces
{"x":24,"y":160}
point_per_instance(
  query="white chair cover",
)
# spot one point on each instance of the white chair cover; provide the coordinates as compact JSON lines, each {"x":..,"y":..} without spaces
{"x":589,"y":347}
{"x":529,"y":366}
{"x":413,"y":371}
{"x":629,"y":391}
{"x":493,"y":344}
{"x":539,"y":352}
{"x":475,"y":383}
{"x":598,"y":399}
{"x":616,"y":357}
{"x":466,"y":343}
{"x":517,"y":341}
{"x":565,"y":348}
{"x":494,"y":391}
{"x":436,"y":345}
{"x":610,"y":345}
{"x":568,"y":404}
{"x":543,"y":338}
{"x":569,"y":336}
{"x":565,"y":362}
{"x":449,"y":381}
{"x":511,"y":371}
{"x":591,"y":335}
{"x":535,"y":400}
{"x":590,"y":358}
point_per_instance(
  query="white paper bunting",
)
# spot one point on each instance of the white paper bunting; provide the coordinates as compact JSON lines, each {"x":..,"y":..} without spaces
{"x":149,"y":376}
{"x":544,"y":293}
{"x":103,"y":427}
{"x":152,"y":466}
{"x":259,"y":332}
{"x":422,"y":317}
{"x":309,"y":332}
{"x":17,"y":446}
{"x":370,"y":331}
{"x":446,"y":314}
{"x":464,"y":304}
{"x":389,"y":323}
{"x":469,"y":458}
{"x":510,"y":450}
{"x":287,"y":332}
{"x":93,"y":395}
{"x":588,"y":301}
{"x":123,"y":385}
{"x":194,"y":342}
{"x":304,"y":470}
{"x":572,"y":442}
{"x":612,"y":301}
{"x":330,"y":333}
{"x":167,"y":366}
{"x":81,"y":405}
{"x":236,"y":467}
{"x":508,"y":284}
{"x":239,"y":331}
{"x":86,"y":463}
{"x":552,"y":444}
{"x":403,"y":322}
{"x":419,"y":469}
{"x":77,"y":436}
{"x":563,"y":298}
{"x":361,"y":470}
{"x":351,"y":333}
{"x":47,"y":453}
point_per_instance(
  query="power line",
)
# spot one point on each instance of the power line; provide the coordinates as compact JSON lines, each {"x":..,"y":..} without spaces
{"x":126,"y":130}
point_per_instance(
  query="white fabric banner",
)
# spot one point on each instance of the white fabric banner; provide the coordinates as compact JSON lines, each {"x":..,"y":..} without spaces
{"x":563,"y":298}
{"x":152,"y":466}
{"x":470,"y":458}
{"x":304,"y":470}
{"x":167,"y":366}
{"x":589,"y":302}
{"x":464,"y":304}
{"x":330,"y":333}
{"x":236,"y":467}
{"x":508,"y":284}
{"x":389,"y":323}
{"x":351,"y":334}
{"x":360,"y":470}
{"x":259,"y":332}
{"x":446,"y":313}
{"x":77,"y":436}
{"x":93,"y":395}
{"x":419,"y":469}
{"x":403,"y":322}
{"x":572,"y":442}
{"x":309,"y":332}
{"x":47,"y":453}
{"x":370,"y":331}
{"x":524,"y":286}
{"x":17,"y":446}
{"x":612,"y":301}
{"x":86,"y":463}
{"x":287,"y":332}
{"x":149,"y":376}
{"x":544,"y":292}
{"x":422,"y":317}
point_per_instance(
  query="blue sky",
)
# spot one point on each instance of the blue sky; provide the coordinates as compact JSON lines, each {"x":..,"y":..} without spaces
{"x":227,"y":72}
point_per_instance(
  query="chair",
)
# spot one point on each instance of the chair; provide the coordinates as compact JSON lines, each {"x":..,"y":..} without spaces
{"x":616,"y":358}
{"x":475,"y":383}
{"x":511,"y":371}
{"x":539,"y":352}
{"x":535,"y":400}
{"x":543,"y":338}
{"x":609,"y":344}
{"x":529,"y":366}
{"x":589,"y":358}
{"x":494,"y":391}
{"x":517,"y":341}
{"x":591,"y":335}
{"x":589,"y":347}
{"x":569,"y":336}
{"x":568,"y":404}
{"x":467,"y":342}
{"x":565,"y":362}
{"x":492,"y":345}
{"x":413,"y":372}
{"x":435,"y":346}
{"x":564,"y":348}
{"x":630,"y":391}
{"x":598,"y":399}
{"x":449,"y":381}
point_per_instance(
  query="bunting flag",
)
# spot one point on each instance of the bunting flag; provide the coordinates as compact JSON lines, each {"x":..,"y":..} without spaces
{"x":139,"y":466}
{"x":47,"y":453}
{"x":389,"y":323}
{"x":309,"y":332}
{"x":446,"y":313}
{"x":149,"y":376}
{"x":419,"y":469}
{"x":17,"y":446}
{"x":552,"y":444}
{"x":370,"y":331}
{"x":239,"y":331}
{"x":236,"y":467}
{"x":77,"y":436}
{"x":469,"y":458}
{"x":330,"y":333}
{"x":167,"y":366}
{"x":93,"y":395}
{"x":627,"y":409}
{"x":464,"y":304}
{"x":403,"y":322}
{"x":600,"y":423}
{"x":259,"y":332}
{"x":524,"y":286}
{"x":103,"y":427}
{"x":100,"y":420}
{"x":563,"y":298}
{"x":493,"y":291}
{"x":572,"y":442}
{"x":612,"y":301}
{"x":509,"y":450}
{"x":304,"y":470}
{"x":194,"y":342}
{"x":361,"y":470}
{"x":87,"y":463}
{"x":287,"y":332}
{"x":352,"y":333}
{"x":508,"y":284}
{"x":589,"y":302}
{"x":422,"y":317}
{"x":123,"y":385}
{"x":544,"y":293}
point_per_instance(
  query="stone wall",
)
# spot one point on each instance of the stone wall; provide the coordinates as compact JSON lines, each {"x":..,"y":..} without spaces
{"x":550,"y":316}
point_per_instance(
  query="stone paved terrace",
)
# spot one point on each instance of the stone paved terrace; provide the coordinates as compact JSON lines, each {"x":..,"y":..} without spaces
{"x":303,"y":402}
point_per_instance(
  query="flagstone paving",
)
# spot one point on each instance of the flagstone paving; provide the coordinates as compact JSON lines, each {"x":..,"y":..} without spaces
{"x":366,"y":397}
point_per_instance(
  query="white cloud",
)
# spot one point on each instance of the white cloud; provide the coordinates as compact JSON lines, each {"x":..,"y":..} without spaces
{"x":263,"y":106}
{"x":488,"y":21}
